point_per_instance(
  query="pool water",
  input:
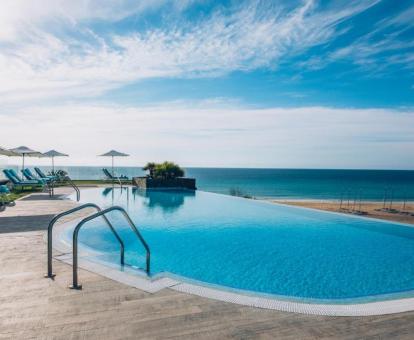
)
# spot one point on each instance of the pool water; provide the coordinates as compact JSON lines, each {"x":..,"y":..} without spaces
{"x":256,"y":246}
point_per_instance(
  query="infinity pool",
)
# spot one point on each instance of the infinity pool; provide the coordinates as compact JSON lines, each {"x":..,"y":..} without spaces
{"x":256,"y":246}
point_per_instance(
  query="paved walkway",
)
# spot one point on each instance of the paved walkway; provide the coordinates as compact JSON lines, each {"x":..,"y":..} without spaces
{"x":36,"y":308}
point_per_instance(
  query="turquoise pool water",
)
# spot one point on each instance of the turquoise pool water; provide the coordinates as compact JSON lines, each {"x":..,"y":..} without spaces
{"x":256,"y":246}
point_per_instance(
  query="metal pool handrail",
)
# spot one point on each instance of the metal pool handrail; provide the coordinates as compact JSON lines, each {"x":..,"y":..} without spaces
{"x":74,"y":186}
{"x":75,"y":284}
{"x":50,"y":273}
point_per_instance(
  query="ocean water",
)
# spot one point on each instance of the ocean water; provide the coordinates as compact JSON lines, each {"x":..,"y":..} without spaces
{"x":254,"y":245}
{"x":286,"y":183}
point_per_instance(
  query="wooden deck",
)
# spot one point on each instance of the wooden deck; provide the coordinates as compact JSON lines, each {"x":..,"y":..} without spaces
{"x":37,"y":308}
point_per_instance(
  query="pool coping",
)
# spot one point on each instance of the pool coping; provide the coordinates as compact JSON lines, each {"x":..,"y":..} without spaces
{"x":138,"y":279}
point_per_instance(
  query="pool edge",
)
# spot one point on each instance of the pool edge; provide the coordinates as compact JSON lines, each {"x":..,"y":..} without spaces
{"x":163,"y":281}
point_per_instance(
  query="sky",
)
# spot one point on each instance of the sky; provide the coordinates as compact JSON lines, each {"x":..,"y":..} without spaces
{"x":284,"y":84}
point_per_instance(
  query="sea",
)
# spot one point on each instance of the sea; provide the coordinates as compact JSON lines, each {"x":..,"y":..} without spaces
{"x":315,"y":184}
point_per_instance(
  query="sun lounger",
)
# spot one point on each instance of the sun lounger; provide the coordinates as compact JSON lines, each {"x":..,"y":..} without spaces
{"x":29,"y":176}
{"x":117,"y":178}
{"x":20,"y":184}
{"x":33,"y":180}
{"x":30,"y":173}
{"x":5,"y":196}
{"x":42,"y":174}
{"x":14,"y":173}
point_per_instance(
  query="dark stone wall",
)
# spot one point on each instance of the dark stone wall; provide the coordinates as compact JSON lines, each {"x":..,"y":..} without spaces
{"x":151,"y":183}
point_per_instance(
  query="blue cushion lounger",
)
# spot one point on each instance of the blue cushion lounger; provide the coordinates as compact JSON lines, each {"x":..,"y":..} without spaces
{"x":29,"y":176}
{"x":109,"y":175}
{"x":48,"y":179}
{"x":4,"y":189}
{"x":14,"y":178}
{"x":42,"y":175}
{"x":4,"y":193}
{"x":18,"y":183}
{"x":30,"y":173}
{"x":14,"y":173}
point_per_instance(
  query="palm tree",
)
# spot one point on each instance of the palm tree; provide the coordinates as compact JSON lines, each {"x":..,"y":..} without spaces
{"x":150,"y":167}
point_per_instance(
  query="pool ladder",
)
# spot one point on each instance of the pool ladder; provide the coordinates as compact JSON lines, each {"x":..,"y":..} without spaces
{"x":74,"y":186}
{"x":100,"y":212}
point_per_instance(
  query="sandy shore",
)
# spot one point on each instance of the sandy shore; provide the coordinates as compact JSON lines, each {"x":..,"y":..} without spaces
{"x":369,"y":209}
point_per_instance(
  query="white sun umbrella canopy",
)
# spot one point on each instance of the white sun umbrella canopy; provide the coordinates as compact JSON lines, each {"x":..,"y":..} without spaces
{"x":113,"y":154}
{"x":52,"y":154}
{"x":6,"y":152}
{"x":24,"y":151}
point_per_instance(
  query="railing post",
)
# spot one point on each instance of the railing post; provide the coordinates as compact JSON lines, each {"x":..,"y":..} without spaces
{"x":75,"y":283}
{"x":50,"y":273}
{"x":74,"y":186}
{"x":138,"y":234}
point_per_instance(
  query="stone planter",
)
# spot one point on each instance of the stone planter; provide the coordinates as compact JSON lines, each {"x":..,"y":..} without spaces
{"x":159,"y":183}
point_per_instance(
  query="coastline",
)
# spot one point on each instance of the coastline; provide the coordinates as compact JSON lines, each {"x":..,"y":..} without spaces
{"x":370,"y":209}
{"x":279,"y":184}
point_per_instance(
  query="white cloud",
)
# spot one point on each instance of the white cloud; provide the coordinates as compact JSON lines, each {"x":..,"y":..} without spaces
{"x":44,"y":64}
{"x":386,"y":45}
{"x":49,"y":50}
{"x":208,"y":134}
{"x":17,"y":16}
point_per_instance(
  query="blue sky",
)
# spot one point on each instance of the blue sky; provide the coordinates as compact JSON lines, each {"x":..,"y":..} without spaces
{"x":318,"y":84}
{"x":353,"y":63}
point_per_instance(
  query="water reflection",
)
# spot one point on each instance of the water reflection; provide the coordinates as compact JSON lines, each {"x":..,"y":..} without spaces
{"x":167,"y":200}
{"x":119,"y":190}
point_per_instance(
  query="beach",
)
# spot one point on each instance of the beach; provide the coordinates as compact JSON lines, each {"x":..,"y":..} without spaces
{"x":371,"y":209}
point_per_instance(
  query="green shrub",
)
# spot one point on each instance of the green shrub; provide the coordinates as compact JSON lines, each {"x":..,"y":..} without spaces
{"x":165,"y":170}
{"x":239,"y":193}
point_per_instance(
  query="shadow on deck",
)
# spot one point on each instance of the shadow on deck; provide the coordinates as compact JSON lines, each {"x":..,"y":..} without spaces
{"x":16,"y":224}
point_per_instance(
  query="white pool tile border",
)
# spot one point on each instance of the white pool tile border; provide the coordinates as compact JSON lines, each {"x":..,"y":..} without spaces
{"x":127,"y":278}
{"x":153,"y":286}
{"x":363,"y":309}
